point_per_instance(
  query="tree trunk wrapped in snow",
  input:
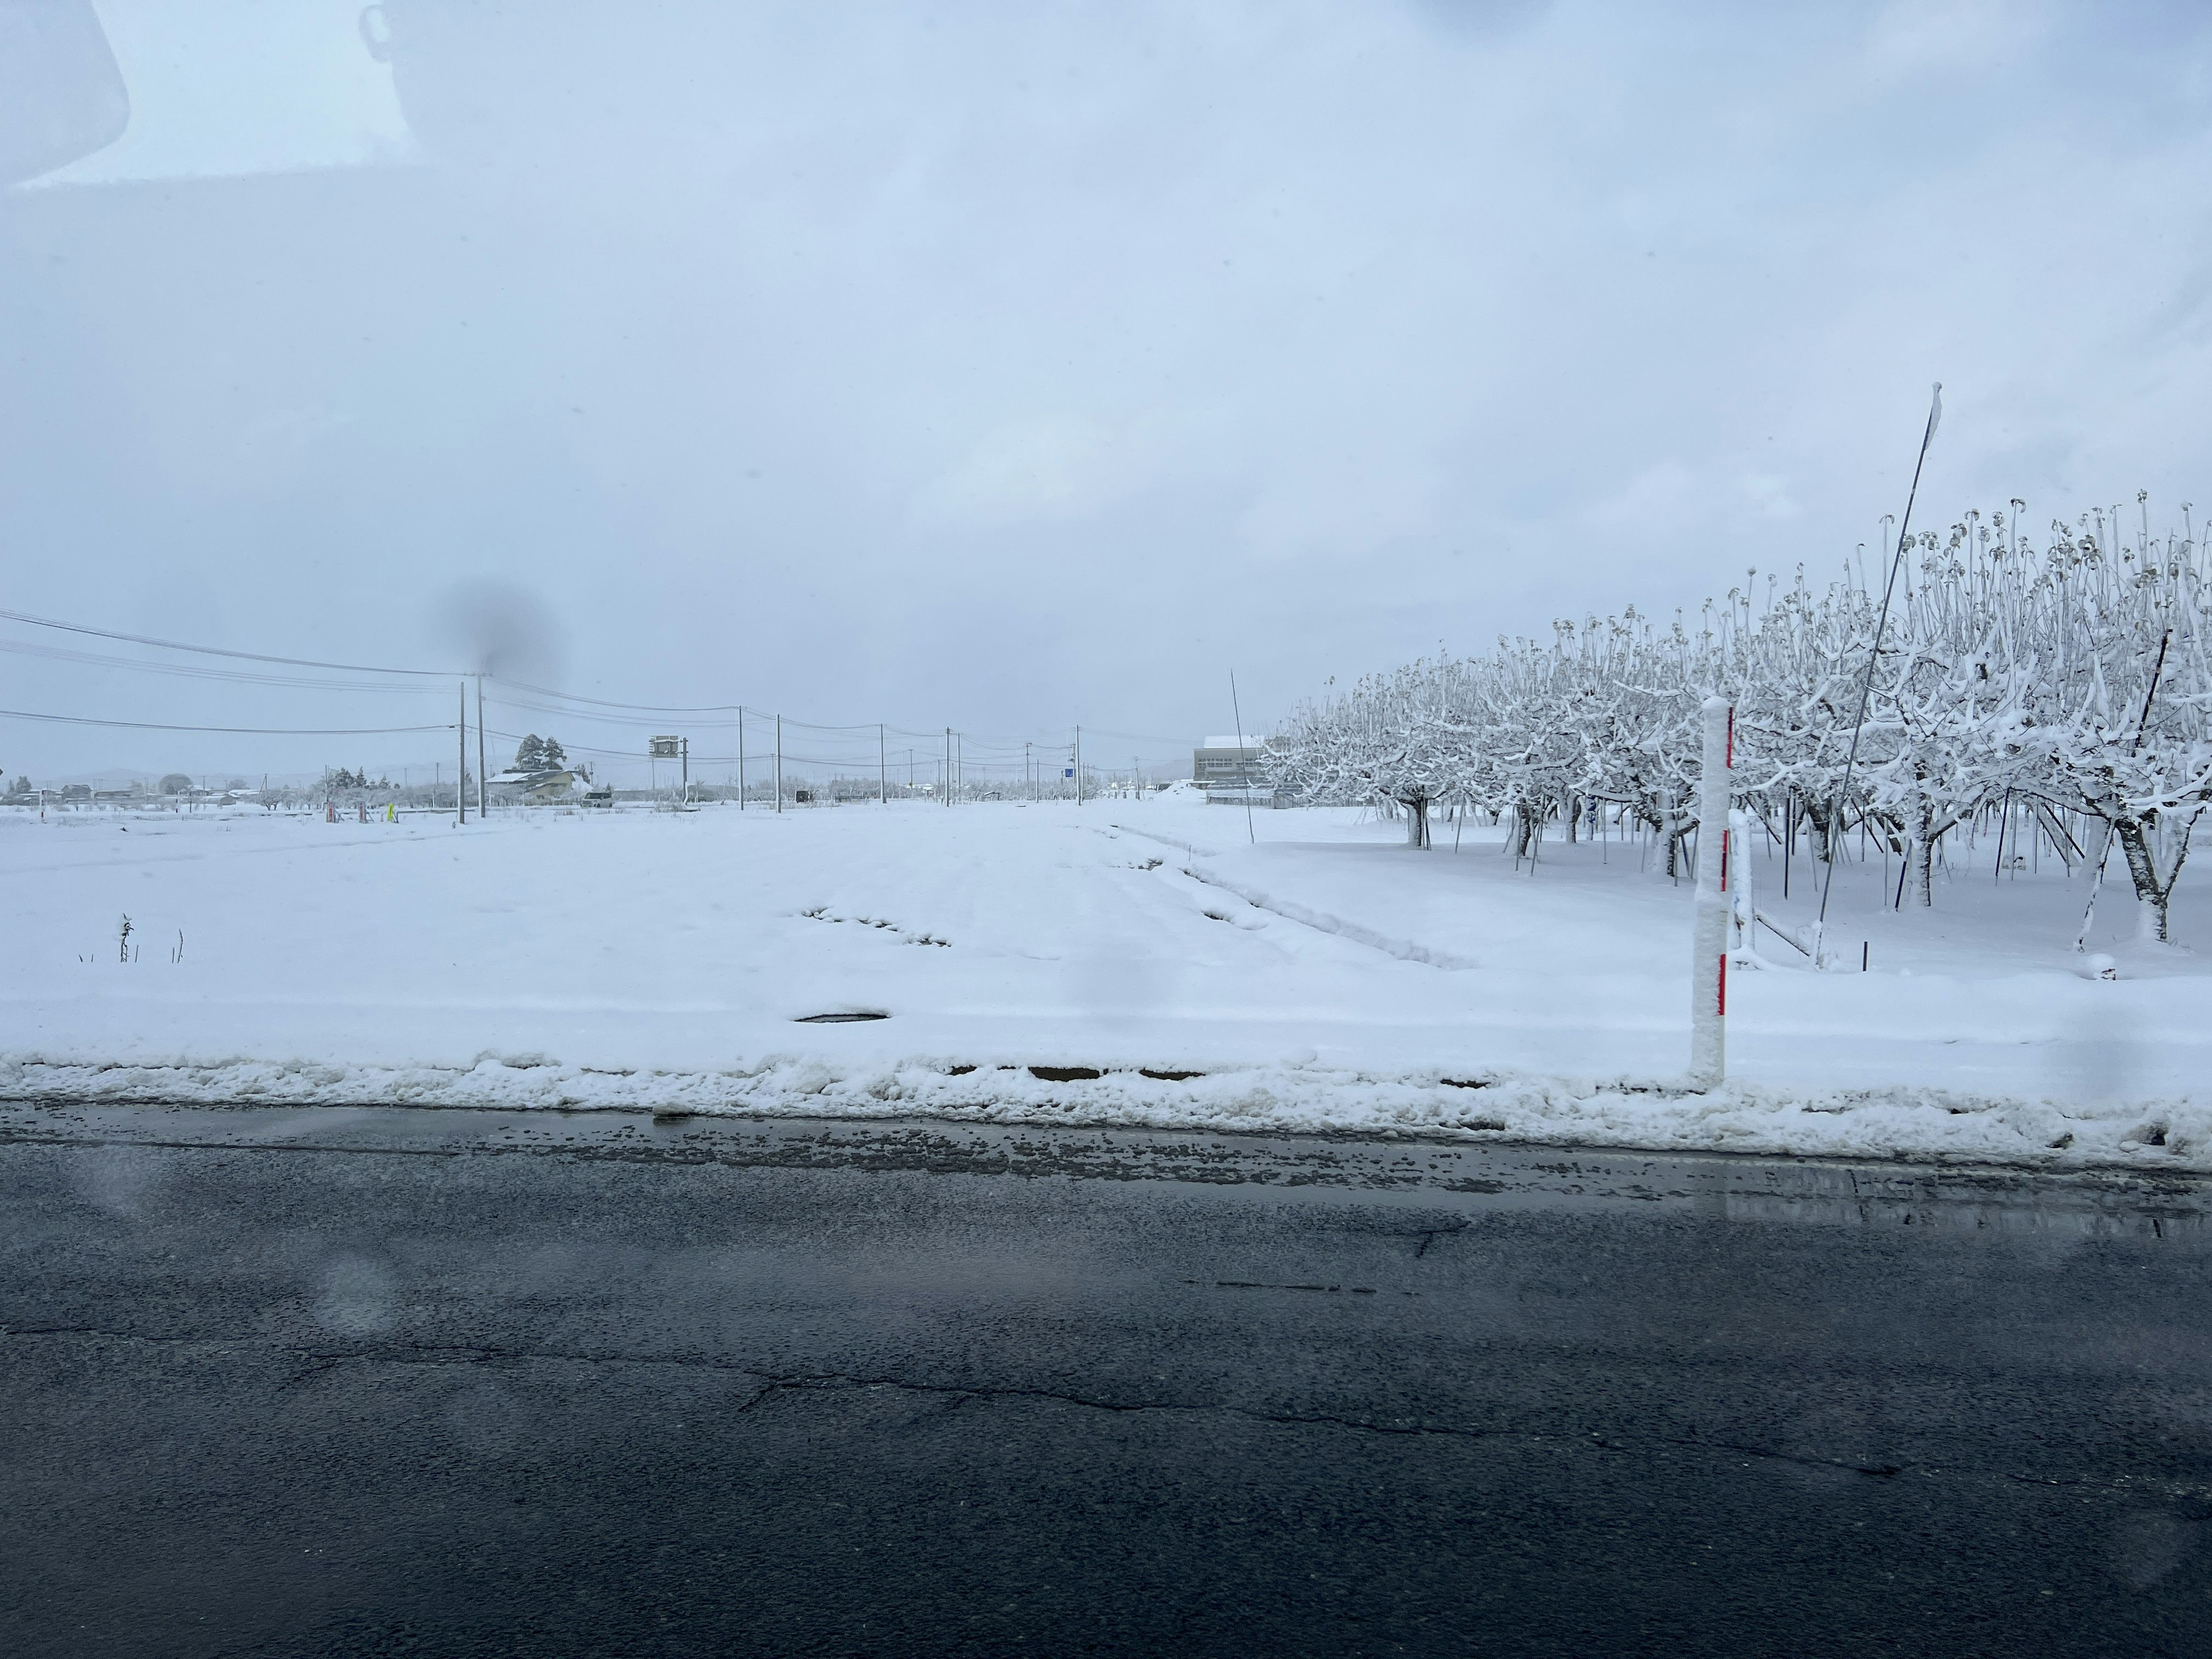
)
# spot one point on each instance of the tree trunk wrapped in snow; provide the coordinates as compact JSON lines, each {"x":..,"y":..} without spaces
{"x":2116,"y":715}
{"x":1391,"y":739}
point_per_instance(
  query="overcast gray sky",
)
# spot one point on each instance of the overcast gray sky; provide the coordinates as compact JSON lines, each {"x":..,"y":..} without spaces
{"x":1010,"y":365}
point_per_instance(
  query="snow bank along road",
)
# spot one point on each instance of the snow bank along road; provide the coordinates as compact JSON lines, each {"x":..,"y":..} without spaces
{"x":1124,"y":962}
{"x":340,"y":1382}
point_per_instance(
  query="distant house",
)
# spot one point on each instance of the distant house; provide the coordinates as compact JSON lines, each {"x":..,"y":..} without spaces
{"x":535,"y":786}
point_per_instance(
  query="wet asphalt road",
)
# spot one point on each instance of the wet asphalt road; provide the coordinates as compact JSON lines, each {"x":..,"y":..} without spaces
{"x":452,"y":1382}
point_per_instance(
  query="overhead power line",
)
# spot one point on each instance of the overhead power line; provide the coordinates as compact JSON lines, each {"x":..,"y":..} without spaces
{"x":198,"y":671}
{"x":239,"y":730}
{"x":746,"y":717}
{"x":602,"y":702}
{"x":218,"y":651}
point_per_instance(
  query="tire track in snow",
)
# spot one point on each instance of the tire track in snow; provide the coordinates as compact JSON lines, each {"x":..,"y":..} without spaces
{"x":1320,"y":920}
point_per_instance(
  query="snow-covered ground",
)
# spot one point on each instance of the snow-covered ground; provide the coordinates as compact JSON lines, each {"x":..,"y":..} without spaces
{"x":1322,"y":977}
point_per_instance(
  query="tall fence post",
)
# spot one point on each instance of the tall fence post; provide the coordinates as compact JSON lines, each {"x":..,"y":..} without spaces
{"x":1710,"y":943}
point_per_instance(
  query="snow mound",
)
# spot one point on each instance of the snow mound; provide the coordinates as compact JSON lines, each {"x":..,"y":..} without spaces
{"x":1919,"y":1125}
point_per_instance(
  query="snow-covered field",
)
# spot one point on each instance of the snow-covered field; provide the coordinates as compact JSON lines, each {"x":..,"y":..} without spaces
{"x":1325,"y":978}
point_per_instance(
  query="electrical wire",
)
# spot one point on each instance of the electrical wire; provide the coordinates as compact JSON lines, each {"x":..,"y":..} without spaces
{"x":237,"y":731}
{"x":602,"y":702}
{"x":980,"y":750}
{"x":195,"y":670}
{"x":216,"y":650}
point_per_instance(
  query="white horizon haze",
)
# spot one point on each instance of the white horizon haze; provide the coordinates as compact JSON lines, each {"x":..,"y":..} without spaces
{"x":1007,"y":368}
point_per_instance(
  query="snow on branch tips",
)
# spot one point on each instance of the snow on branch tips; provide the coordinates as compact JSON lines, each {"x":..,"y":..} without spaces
{"x":2072,"y":680}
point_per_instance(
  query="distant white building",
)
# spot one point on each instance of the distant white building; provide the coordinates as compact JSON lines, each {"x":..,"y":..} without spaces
{"x":1227,"y":762}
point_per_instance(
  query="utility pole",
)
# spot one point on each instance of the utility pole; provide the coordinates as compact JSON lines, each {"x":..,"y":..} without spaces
{"x":882,"y":770}
{"x":959,"y":763}
{"x":685,"y":752}
{"x":1028,"y":790}
{"x":948,"y":766}
{"x":484,"y":777}
{"x":461,"y":777}
{"x":741,"y":757}
{"x":1078,"y":766}
{"x":779,"y":763}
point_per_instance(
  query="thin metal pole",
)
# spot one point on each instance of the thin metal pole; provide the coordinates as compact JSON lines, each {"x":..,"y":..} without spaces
{"x":1238,"y":708}
{"x":1078,"y":766}
{"x":1873,"y":657}
{"x":741,"y":757}
{"x":1788,"y":836}
{"x":779,"y":763}
{"x":883,"y":769}
{"x":685,"y":751}
{"x":948,"y":766}
{"x":461,"y":777}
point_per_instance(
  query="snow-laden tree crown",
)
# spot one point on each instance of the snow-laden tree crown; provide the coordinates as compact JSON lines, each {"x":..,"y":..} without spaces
{"x":2070,"y":677}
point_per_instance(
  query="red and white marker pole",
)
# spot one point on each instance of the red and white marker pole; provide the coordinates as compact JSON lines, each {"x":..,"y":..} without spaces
{"x":1709,"y":951}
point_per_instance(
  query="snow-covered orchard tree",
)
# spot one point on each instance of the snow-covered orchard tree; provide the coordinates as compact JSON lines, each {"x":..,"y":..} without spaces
{"x":2116,"y":707}
{"x":1637,"y":698}
{"x":2073,"y":678}
{"x":1794,"y":673}
{"x":1392,"y":738}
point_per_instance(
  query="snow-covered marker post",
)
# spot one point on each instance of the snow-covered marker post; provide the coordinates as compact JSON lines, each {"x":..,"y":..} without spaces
{"x":1708,"y":948}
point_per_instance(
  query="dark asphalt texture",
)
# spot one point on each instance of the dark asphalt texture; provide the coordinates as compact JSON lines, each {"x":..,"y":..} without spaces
{"x":387,"y":1382}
